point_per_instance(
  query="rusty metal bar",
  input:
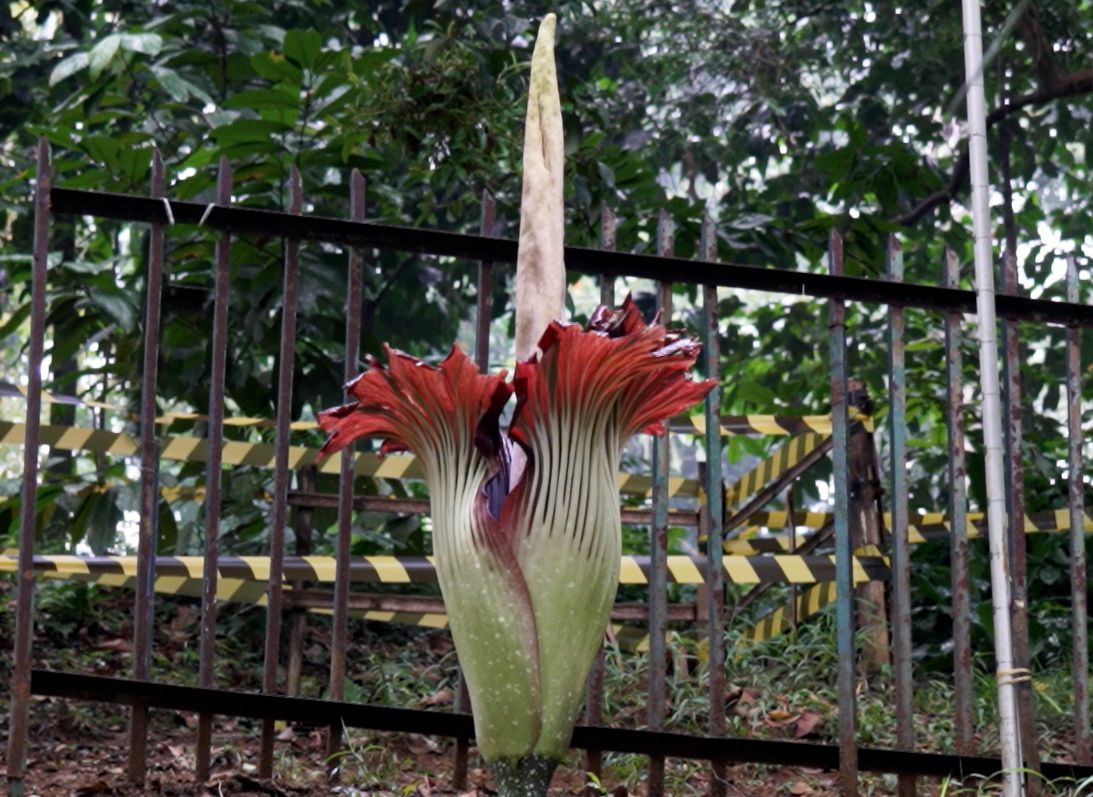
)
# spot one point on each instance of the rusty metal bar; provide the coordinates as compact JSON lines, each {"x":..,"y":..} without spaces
{"x":844,"y":587}
{"x":594,"y":689}
{"x":305,"y":480}
{"x":223,"y":702}
{"x":715,"y":511}
{"x":24,"y":591}
{"x":484,"y":301}
{"x":958,"y":507}
{"x":658,"y":543}
{"x":206,"y":672}
{"x":1079,"y":575}
{"x":340,"y":624}
{"x":608,"y":233}
{"x":420,"y":506}
{"x":578,"y":259}
{"x":311,"y":598}
{"x":144,"y":601}
{"x":484,"y":312}
{"x":1015,"y":509}
{"x":901,"y":547}
{"x":285,"y":365}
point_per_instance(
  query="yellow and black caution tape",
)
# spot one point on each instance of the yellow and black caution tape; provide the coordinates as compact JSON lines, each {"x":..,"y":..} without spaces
{"x":261,"y":455}
{"x":921,"y":528}
{"x":780,"y":569}
{"x":809,"y":602}
{"x":787,"y":456}
{"x":687,"y":424}
{"x":767,"y":424}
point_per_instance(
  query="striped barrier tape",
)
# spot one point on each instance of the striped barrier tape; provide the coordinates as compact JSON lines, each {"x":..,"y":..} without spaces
{"x":261,"y":455}
{"x":774,"y":425}
{"x":922,"y":528}
{"x":783,"y":459}
{"x":809,"y":602}
{"x":779,"y":569}
{"x":627,"y":637}
{"x":684,"y":424}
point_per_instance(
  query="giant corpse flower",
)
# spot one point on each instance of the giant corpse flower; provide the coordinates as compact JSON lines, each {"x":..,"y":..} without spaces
{"x":526,"y":527}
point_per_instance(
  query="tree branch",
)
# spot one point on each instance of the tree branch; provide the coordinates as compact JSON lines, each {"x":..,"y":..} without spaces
{"x":1070,"y":85}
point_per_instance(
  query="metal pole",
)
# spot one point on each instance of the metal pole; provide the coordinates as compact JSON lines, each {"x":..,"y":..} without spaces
{"x":24,"y":595}
{"x":285,"y":366}
{"x":483,"y":314}
{"x":958,"y":526}
{"x":206,"y":672}
{"x":844,"y":586}
{"x":658,"y":545}
{"x":339,"y":637}
{"x":149,"y":487}
{"x":992,"y":410}
{"x":1015,"y":510}
{"x":715,"y":513}
{"x":594,"y":690}
{"x":1079,"y":575}
{"x":901,"y":549}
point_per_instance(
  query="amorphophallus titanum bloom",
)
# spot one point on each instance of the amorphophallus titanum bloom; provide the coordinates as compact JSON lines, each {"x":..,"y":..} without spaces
{"x":526,"y":527}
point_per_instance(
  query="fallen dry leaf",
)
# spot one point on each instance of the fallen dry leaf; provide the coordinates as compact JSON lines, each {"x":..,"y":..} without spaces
{"x":807,"y":724}
{"x":441,"y":698}
{"x":800,"y":787}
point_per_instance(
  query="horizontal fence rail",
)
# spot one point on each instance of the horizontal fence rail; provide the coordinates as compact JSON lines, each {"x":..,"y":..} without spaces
{"x":49,"y":683}
{"x":124,"y":207}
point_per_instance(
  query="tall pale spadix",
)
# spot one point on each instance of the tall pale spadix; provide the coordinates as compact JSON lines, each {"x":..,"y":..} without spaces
{"x":526,"y":527}
{"x":540,"y":268}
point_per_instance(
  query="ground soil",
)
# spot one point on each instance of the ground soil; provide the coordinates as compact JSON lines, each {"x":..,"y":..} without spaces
{"x":81,"y":748}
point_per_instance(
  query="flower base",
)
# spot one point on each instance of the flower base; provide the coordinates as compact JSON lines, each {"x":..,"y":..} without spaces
{"x":524,"y":777}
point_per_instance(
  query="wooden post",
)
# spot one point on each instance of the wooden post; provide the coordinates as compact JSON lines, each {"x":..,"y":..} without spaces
{"x":865,"y":529}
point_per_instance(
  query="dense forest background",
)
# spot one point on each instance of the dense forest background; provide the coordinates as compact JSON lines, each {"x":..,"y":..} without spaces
{"x":782,"y":120}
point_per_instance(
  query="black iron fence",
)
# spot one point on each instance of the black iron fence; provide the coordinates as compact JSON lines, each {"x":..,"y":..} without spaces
{"x":142,"y":693}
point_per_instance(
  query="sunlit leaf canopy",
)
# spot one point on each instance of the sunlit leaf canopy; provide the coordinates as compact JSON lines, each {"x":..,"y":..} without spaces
{"x":783,"y":119}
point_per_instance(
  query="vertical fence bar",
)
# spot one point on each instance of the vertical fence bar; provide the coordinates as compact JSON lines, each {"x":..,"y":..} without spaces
{"x":340,"y":626}
{"x":593,"y":715}
{"x":206,"y":672}
{"x":658,"y":543}
{"x":1015,"y":495}
{"x":149,"y":485}
{"x":715,"y":575}
{"x":958,"y":508}
{"x":483,"y":314}
{"x":305,"y":483}
{"x":485,"y":290}
{"x":608,"y":226}
{"x":844,"y":587}
{"x":24,"y":594}
{"x":1079,"y":576}
{"x":901,"y":549}
{"x":285,"y":366}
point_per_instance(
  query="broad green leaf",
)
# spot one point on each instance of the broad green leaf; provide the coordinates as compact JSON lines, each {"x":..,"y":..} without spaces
{"x":303,"y":47}
{"x":102,"y":54}
{"x":179,"y":88}
{"x":117,"y":305}
{"x":69,"y":67}
{"x":274,"y":66}
{"x":146,"y":43}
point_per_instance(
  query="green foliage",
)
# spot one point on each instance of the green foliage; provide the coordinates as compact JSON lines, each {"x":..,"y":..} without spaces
{"x":783,"y":119}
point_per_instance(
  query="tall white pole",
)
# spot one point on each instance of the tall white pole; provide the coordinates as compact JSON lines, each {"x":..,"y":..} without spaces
{"x":992,"y":412}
